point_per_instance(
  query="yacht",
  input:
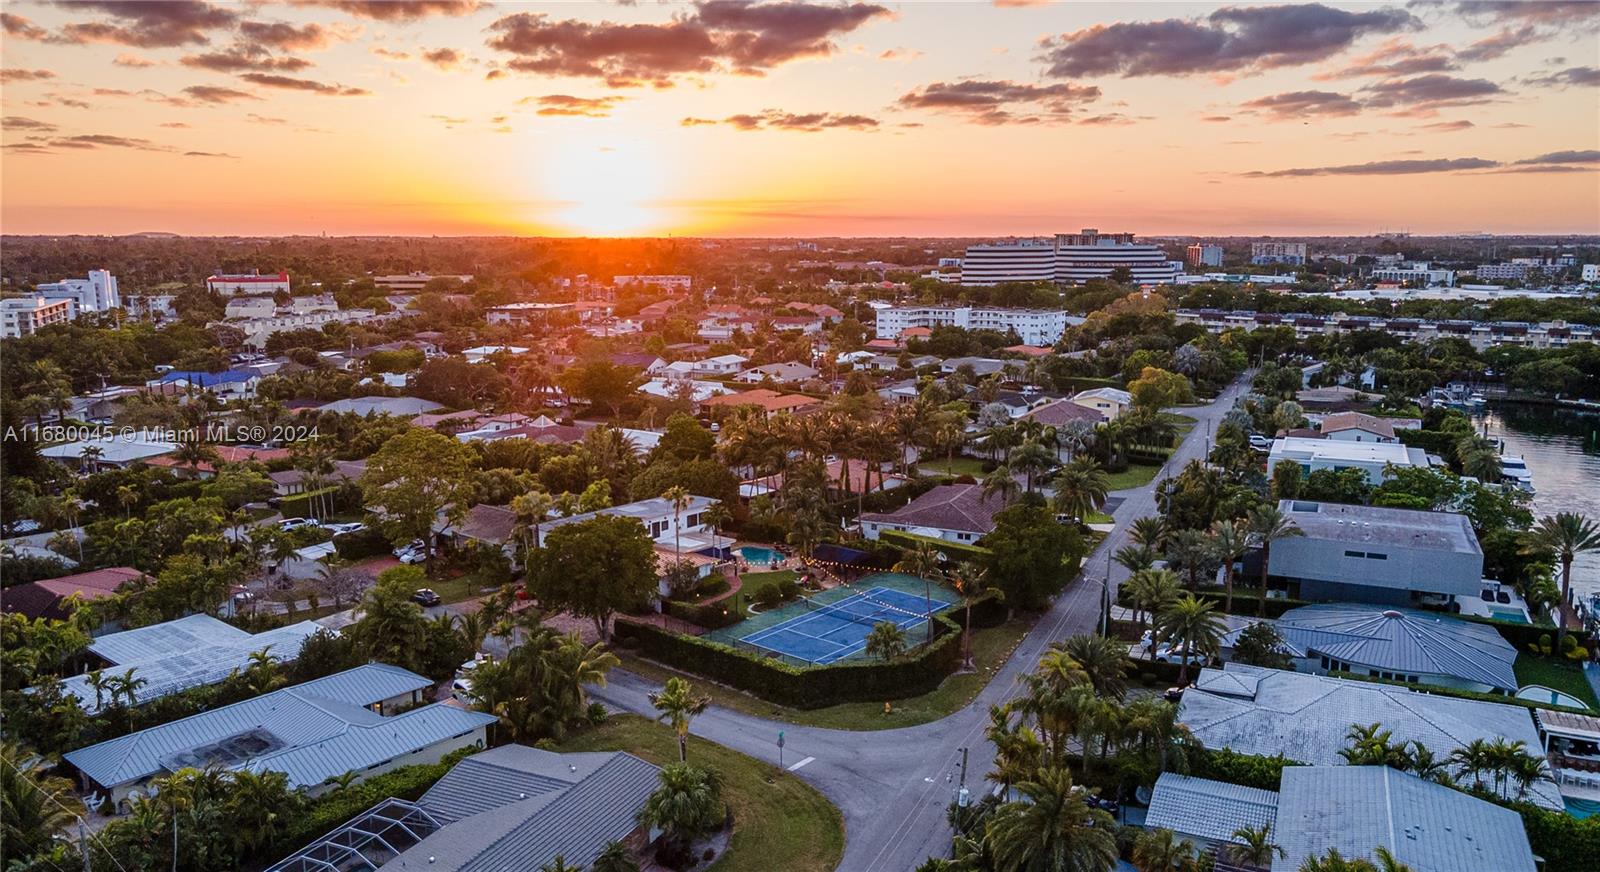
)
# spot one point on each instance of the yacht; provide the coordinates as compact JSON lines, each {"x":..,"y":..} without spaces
{"x":1515,"y":470}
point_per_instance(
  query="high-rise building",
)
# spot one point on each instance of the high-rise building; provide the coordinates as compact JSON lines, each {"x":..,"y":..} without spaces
{"x":95,"y":293}
{"x":1033,"y":326}
{"x":1069,"y":259}
{"x":23,"y":316}
{"x":1199,"y":254}
{"x":1291,"y":253}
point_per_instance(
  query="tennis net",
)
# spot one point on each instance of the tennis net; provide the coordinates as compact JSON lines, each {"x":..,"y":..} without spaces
{"x":876,"y":611}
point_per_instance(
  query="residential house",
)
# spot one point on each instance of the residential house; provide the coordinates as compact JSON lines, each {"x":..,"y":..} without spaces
{"x":368,"y":407}
{"x":232,"y":384}
{"x":768,"y":401}
{"x":482,"y":353}
{"x":1060,"y":413}
{"x":782,"y":373}
{"x":1358,"y":427}
{"x":952,"y":512}
{"x":1111,"y":403}
{"x":108,"y":452}
{"x":805,"y":324}
{"x":48,"y":598}
{"x":225,"y":454}
{"x":312,"y":732}
{"x":1374,"y":459}
{"x":1367,"y":554}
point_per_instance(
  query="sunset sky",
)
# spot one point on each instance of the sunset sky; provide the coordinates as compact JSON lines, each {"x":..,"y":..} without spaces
{"x":739,"y":118}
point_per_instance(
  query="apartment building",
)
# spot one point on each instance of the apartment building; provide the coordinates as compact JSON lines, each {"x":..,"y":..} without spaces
{"x":1552,"y":334}
{"x":96,"y":292}
{"x":1033,"y":326}
{"x":1421,"y":272}
{"x":252,"y":282}
{"x":24,"y":316}
{"x":412,"y":283}
{"x":1071,"y":258}
{"x":1200,"y":254}
{"x":1291,"y":253}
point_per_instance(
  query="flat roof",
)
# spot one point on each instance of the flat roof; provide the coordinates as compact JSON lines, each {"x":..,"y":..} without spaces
{"x":1338,"y":450}
{"x":1409,"y":528}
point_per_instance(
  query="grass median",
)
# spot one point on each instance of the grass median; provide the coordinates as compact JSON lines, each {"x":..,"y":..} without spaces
{"x":780,"y":823}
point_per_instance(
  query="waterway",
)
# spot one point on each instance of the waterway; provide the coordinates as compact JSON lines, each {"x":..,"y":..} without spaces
{"x":1562,"y":447}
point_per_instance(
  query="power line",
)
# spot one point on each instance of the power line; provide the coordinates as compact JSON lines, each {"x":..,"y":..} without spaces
{"x":82,"y":828}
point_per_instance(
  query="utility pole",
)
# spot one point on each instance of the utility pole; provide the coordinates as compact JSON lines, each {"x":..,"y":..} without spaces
{"x":83,"y":844}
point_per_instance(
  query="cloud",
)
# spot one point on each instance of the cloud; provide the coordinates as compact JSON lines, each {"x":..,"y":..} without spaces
{"x":1447,"y":126}
{"x":1395,"y":57}
{"x":134,"y":61}
{"x":217,"y":95}
{"x":1430,"y":92}
{"x":26,"y":148}
{"x":987,"y":101}
{"x":1509,"y":125}
{"x":264,"y":119}
{"x":1231,"y":39}
{"x":102,"y":140}
{"x":443,"y":58}
{"x":1294,"y":105}
{"x":697,"y":122}
{"x":566,"y":105}
{"x":1553,"y":12}
{"x":394,"y":54}
{"x":399,"y":10}
{"x":17,"y":122}
{"x":1587,"y":156}
{"x":1491,"y":47}
{"x":739,"y":35}
{"x":1571,"y":77}
{"x":16,"y":74}
{"x":809,"y":122}
{"x":209,"y":154}
{"x":147,"y":23}
{"x":899,"y":54}
{"x":244,"y":56}
{"x":1110,"y":119}
{"x":21,"y":28}
{"x":174,"y":125}
{"x":1216,"y":119}
{"x":283,"y":36}
{"x":1383,"y":168}
{"x":288,"y":83}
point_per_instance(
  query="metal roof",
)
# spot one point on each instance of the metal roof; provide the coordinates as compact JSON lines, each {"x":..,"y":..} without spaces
{"x":504,"y":775}
{"x":1427,"y":826}
{"x":365,"y":742}
{"x":1400,"y":640}
{"x":1206,"y":809}
{"x":1339,"y":522}
{"x":1306,"y":717}
{"x":189,"y":652}
{"x":304,"y":715}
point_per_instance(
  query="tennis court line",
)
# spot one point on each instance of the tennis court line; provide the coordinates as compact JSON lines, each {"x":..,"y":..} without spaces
{"x":801,"y":763}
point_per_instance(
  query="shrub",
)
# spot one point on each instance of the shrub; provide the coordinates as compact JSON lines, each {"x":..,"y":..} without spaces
{"x":787,"y":588}
{"x":1249,"y":770}
{"x":769,"y":596}
{"x":363,"y":543}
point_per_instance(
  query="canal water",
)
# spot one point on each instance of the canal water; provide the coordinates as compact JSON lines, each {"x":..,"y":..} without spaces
{"x":1562,"y":447}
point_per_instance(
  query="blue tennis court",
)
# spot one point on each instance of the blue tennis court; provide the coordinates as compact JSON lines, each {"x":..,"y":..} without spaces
{"x":834,"y":632}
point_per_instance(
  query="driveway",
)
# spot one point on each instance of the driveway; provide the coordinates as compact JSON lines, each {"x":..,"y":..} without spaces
{"x":893,"y":786}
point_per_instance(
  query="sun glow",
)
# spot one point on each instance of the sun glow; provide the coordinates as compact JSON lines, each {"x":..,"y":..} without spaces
{"x":605,"y":188}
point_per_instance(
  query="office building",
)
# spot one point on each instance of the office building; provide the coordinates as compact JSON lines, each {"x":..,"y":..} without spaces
{"x":1203,"y":255}
{"x":1367,"y":554}
{"x":1027,"y":261}
{"x":412,"y":283}
{"x":1502,"y":272}
{"x":1291,"y":253}
{"x":1033,"y":326}
{"x":250,"y":283}
{"x":1416,"y":272}
{"x":97,"y":292}
{"x":24,"y":316}
{"x":675,"y":284}
{"x":1095,"y":255}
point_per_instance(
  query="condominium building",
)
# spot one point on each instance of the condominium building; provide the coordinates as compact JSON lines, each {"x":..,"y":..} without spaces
{"x":1482,"y":334}
{"x":1591,"y":272}
{"x":96,"y":292}
{"x":1203,"y":255}
{"x":1034,"y":326}
{"x":1072,"y":258}
{"x":525,"y":313}
{"x":411,"y":283}
{"x":1292,"y":253}
{"x":1422,"y":273}
{"x":23,"y":316}
{"x":252,"y":282}
{"x":1503,"y":272}
{"x":667,"y":283}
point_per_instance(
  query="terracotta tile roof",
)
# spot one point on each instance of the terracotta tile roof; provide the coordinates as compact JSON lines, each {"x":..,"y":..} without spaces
{"x":42,"y":599}
{"x":1029,"y":350}
{"x":1357,"y":421}
{"x":225,"y":453}
{"x":1060,"y":412}
{"x":770,"y":401}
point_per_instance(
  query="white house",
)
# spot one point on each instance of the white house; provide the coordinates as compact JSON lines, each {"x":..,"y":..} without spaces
{"x":952,"y":512}
{"x":1111,"y":403}
{"x":1373,"y":458}
{"x":482,"y":353}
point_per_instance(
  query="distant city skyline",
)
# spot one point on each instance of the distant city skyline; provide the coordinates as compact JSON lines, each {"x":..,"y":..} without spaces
{"x":737,"y":118}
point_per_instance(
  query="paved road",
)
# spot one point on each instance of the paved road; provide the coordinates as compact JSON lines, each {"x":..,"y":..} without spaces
{"x":893,"y":785}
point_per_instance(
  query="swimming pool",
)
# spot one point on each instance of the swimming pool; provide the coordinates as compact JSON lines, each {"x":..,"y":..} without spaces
{"x":1581,"y":808}
{"x":756,"y":555}
{"x":1510,"y":616}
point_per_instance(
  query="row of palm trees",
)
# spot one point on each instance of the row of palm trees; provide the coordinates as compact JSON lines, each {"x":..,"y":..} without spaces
{"x":1508,"y":768}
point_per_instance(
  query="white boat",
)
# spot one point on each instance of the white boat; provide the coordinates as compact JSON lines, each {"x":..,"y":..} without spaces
{"x":1515,"y":470}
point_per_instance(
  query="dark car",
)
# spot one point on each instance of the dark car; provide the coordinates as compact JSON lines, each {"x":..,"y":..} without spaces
{"x":425,"y":597}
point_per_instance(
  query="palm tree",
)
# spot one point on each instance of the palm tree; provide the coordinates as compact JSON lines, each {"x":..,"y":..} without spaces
{"x":1387,"y":862}
{"x":678,"y":706}
{"x":1254,"y":847}
{"x":1081,"y":488}
{"x":1017,"y":749}
{"x":1135,"y":558}
{"x":1152,"y":590}
{"x":716,"y":516}
{"x":1195,"y":625}
{"x":559,"y":864}
{"x":886,"y":640}
{"x":971,"y":580}
{"x":37,"y":805}
{"x":686,"y":805}
{"x":1269,"y":524}
{"x":1001,"y":481}
{"x":127,"y":497}
{"x":193,"y":450}
{"x":1052,"y":829}
{"x":679,"y":496}
{"x":1103,"y":659}
{"x":1420,"y":761}
{"x":1564,"y":537}
{"x":259,"y":805}
{"x":1474,"y":759}
{"x":1229,"y":542}
{"x":531,"y":509}
{"x":1031,"y":458}
{"x":1190,"y":549}
{"x":1369,"y":745}
{"x":1159,"y":850}
{"x":614,"y":858}
{"x":1151,"y":532}
{"x":922,"y":560}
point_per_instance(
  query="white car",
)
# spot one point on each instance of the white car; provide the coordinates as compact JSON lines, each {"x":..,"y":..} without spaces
{"x":336,"y":529}
{"x":297,"y":523}
{"x":1260,"y":443}
{"x":413,"y":553}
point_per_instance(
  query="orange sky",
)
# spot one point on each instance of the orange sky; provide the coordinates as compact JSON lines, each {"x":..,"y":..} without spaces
{"x":731,"y":117}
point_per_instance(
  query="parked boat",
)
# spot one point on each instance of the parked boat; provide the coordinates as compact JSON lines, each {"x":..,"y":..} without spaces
{"x":1514,"y":469}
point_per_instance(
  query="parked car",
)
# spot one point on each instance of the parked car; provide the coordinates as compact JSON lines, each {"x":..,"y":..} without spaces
{"x":425,"y":597}
{"x":1260,"y":442}
{"x":297,"y":523}
{"x":413,"y":552}
{"x":336,"y":529}
{"x":1173,"y":694}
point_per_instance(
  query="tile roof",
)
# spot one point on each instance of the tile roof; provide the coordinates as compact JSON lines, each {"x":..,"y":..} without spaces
{"x":1305,"y":717}
{"x":1357,"y":421}
{"x":1401,"y":640}
{"x":484,"y":523}
{"x":959,"y":507}
{"x":1061,"y":412}
{"x":1114,"y":395}
{"x":1206,"y":809}
{"x":768,"y":400}
{"x":43,"y":598}
{"x":307,"y":715}
{"x":1429,"y":827}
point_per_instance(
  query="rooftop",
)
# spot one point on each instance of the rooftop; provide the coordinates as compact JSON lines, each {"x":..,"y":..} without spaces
{"x":1410,"y":528}
{"x":768,"y":400}
{"x":1305,"y":717}
{"x":369,"y":406}
{"x":1206,"y":809}
{"x":946,"y":507}
{"x":1358,"y":421}
{"x":42,"y":598}
{"x":1061,"y":412}
{"x":1114,"y":395}
{"x":1336,"y":451}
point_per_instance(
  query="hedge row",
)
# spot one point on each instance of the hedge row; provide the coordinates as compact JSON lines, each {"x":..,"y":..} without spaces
{"x":809,"y":687}
{"x":1432,"y":441}
{"x":1500,"y":698}
{"x":366,"y":542}
{"x":1523,"y":635}
{"x":712,"y":616}
{"x":1249,"y":770}
{"x":953,"y":549}
{"x":343,"y":498}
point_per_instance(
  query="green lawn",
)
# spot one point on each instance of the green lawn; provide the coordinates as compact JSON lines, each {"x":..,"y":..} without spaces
{"x":754,"y":582}
{"x":1136,"y":475}
{"x":958,"y":466}
{"x":1098,"y":518}
{"x":1563,"y":675}
{"x":1183,"y":423}
{"x":990,"y":649}
{"x":781,"y":824}
{"x":454,"y":590}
